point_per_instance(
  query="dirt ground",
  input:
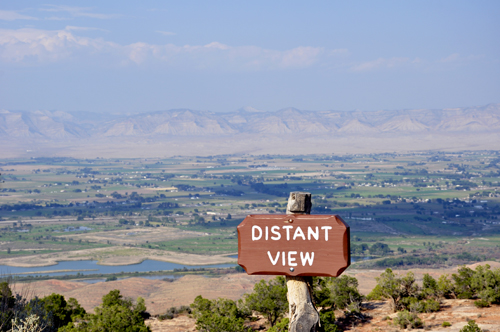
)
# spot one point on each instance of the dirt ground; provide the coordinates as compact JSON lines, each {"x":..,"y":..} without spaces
{"x":116,"y":256}
{"x":455,"y":312}
{"x":160,"y":295}
{"x":135,"y":236}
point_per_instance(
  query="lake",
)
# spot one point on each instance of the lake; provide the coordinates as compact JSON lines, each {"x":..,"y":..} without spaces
{"x":91,"y":267}
{"x":353,"y":258}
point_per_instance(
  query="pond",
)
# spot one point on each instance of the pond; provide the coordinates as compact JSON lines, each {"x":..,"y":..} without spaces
{"x":91,"y":267}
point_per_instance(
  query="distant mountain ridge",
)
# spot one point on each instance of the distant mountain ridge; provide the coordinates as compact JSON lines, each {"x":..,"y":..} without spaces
{"x":58,"y":125}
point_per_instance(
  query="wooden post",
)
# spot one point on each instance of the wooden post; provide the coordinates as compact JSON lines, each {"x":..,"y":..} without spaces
{"x":303,"y":315}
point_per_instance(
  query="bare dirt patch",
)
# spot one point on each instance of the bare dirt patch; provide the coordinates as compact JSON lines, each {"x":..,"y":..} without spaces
{"x":135,"y":236}
{"x":159,"y":295}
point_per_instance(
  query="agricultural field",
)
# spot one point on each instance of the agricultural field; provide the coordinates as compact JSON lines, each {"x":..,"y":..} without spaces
{"x":432,"y":209}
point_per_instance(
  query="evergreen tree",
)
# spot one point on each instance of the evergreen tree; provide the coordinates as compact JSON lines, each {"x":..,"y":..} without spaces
{"x":269,"y":299}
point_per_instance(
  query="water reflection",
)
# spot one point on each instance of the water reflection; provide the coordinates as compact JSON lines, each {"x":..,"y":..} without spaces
{"x":91,"y":267}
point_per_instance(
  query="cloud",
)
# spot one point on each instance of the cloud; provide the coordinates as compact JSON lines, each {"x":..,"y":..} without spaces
{"x":339,"y":51}
{"x":74,"y":28}
{"x":78,"y":11}
{"x":451,"y":58}
{"x":57,"y":18}
{"x":382,"y":63}
{"x":34,"y":46}
{"x":167,"y":33}
{"x":10,"y":15}
{"x":30,"y":46}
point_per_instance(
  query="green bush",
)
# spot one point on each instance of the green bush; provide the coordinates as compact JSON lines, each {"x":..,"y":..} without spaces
{"x":219,"y":315}
{"x":114,"y":314}
{"x":269,"y":299}
{"x":376,"y":294}
{"x":47,"y":314}
{"x":62,"y":312}
{"x":481,"y":303}
{"x":429,"y":286}
{"x":481,"y":282}
{"x":396,"y":289}
{"x":471,"y":327}
{"x":446,"y":324}
{"x":281,"y":326}
{"x":406,"y":319}
{"x":174,"y":312}
{"x":463,"y":282}
{"x":424,"y":306}
{"x":327,"y":321}
{"x":344,"y":292}
{"x":444,"y":287}
{"x":322,"y":293}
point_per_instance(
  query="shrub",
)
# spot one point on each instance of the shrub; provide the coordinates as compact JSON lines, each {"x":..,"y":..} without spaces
{"x":281,"y":326}
{"x":429,"y":286}
{"x":62,"y":312}
{"x":396,"y":289}
{"x":481,"y":303}
{"x":471,"y":327}
{"x":344,"y":292}
{"x":114,"y":314}
{"x":446,"y":324}
{"x":481,"y":282}
{"x":444,"y":287}
{"x":47,"y":314}
{"x":327,"y":321}
{"x":219,"y":315}
{"x":173,"y":312}
{"x":30,"y":324}
{"x":376,"y":294}
{"x":167,"y":315}
{"x":424,"y":306}
{"x":269,"y":299}
{"x":406,"y":319}
{"x":463,"y":282}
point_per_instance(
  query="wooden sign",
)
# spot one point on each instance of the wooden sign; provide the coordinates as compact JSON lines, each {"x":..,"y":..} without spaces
{"x":294,"y":245}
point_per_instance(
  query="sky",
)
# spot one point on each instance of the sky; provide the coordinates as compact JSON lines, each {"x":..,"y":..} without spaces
{"x":120,"y":56}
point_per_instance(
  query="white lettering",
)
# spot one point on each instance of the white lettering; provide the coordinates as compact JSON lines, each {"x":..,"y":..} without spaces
{"x":278,"y":235}
{"x":298,"y":232}
{"x":274,"y":261}
{"x":314,"y":234}
{"x":291,"y":259}
{"x":306,"y":258}
{"x":254,"y":228}
{"x":283,"y":259}
{"x":288,"y":228}
{"x":326,"y":228}
{"x":267,"y":233}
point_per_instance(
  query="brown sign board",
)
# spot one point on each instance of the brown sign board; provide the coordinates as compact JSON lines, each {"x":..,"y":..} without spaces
{"x":294,"y":245}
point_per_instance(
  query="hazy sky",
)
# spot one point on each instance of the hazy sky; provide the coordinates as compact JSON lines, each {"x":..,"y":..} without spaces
{"x":136,"y":56}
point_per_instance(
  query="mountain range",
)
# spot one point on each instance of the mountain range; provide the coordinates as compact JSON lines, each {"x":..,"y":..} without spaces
{"x":250,"y":131}
{"x":57,"y":125}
